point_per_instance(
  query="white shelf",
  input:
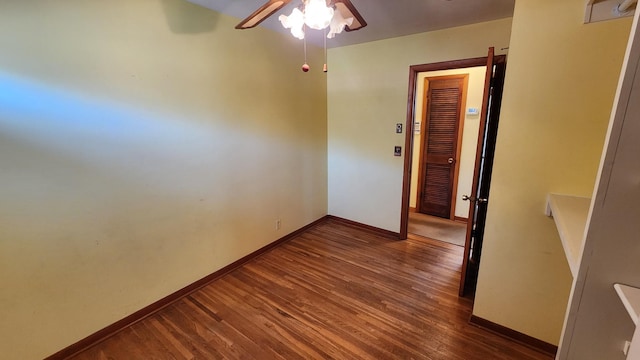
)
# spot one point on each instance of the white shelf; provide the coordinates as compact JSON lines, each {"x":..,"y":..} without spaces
{"x":570,"y":214}
{"x":630,"y":297}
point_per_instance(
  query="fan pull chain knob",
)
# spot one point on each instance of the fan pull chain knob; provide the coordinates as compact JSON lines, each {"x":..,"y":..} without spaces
{"x":305,"y":67}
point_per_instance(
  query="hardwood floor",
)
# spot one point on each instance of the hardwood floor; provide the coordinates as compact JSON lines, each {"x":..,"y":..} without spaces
{"x":334,"y":292}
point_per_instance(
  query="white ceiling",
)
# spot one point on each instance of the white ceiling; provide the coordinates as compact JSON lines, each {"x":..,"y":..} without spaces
{"x":385,"y":18}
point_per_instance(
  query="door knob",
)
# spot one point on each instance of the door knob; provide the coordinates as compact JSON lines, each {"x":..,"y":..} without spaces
{"x":450,"y":161}
{"x":471,"y":198}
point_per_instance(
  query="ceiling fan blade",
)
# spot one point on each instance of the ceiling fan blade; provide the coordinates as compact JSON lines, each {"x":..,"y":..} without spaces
{"x":348,"y":10}
{"x":262,"y":13}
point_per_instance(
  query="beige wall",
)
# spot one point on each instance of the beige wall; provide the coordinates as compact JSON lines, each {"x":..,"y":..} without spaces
{"x":560,"y":83}
{"x":367,"y":96}
{"x":143,"y":145}
{"x":470,"y":123}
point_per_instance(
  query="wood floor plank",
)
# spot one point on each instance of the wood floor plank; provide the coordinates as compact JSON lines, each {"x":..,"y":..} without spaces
{"x":335,"y":291}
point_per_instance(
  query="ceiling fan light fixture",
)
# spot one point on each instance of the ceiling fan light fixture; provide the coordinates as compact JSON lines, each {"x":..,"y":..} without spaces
{"x":338,"y":23}
{"x":340,"y":15}
{"x":295,"y":22}
{"x":317,"y":15}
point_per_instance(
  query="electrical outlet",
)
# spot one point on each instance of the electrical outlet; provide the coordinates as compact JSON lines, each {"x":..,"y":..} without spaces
{"x":278,"y":224}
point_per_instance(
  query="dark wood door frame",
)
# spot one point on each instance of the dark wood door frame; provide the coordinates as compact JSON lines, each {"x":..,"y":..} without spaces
{"x":414,"y":70}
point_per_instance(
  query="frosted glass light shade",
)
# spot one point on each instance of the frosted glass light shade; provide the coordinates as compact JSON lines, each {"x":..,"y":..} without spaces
{"x":295,"y":22}
{"x":338,"y":24}
{"x":317,"y":15}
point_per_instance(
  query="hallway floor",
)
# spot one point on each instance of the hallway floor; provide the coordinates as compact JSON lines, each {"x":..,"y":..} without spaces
{"x":437,"y":228}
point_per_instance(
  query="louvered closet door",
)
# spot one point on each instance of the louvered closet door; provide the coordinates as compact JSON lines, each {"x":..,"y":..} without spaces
{"x":440,"y":145}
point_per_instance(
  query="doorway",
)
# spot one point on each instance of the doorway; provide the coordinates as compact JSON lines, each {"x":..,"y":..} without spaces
{"x":477,"y":198}
{"x":440,"y":138}
{"x":457,"y":144}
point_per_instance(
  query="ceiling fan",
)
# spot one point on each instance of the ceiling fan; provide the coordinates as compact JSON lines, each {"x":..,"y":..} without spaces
{"x":342,"y":8}
{"x":332,"y":16}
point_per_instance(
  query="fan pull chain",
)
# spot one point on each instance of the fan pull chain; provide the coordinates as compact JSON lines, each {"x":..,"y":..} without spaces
{"x":305,"y":66}
{"x":324,"y":68}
